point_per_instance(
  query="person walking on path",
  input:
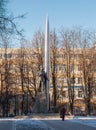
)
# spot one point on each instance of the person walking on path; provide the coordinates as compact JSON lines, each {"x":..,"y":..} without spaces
{"x":62,"y":113}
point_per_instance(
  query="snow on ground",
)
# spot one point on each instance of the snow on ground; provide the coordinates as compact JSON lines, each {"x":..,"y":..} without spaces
{"x":88,"y":120}
{"x":30,"y":124}
{"x":37,"y":124}
{"x":27,"y":124}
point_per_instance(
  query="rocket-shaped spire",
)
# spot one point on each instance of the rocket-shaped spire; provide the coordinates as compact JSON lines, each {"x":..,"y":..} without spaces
{"x":47,"y":60}
{"x":47,"y":46}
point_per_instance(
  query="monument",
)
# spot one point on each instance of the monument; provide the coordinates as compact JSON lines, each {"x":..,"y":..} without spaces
{"x":47,"y":61}
{"x":42,"y":98}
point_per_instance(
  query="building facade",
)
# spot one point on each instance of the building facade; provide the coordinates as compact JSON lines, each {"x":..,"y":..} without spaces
{"x":20,"y":79}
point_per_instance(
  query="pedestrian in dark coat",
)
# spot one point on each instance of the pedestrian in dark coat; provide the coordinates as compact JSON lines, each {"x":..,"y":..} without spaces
{"x":62,"y":113}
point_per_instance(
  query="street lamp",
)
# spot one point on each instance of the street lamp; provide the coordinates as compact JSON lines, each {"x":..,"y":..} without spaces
{"x":22,"y":109}
{"x":15,"y":105}
{"x":27,"y":102}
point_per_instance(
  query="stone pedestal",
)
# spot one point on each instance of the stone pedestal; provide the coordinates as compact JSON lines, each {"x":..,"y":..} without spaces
{"x":41,"y":103}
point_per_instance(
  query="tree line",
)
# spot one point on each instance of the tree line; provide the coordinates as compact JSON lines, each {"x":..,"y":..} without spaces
{"x":23,"y":71}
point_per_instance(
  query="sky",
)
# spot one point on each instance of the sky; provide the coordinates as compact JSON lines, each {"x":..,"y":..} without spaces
{"x":62,"y":14}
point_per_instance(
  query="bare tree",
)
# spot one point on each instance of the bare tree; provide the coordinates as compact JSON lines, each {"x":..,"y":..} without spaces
{"x":87,"y":61}
{"x":68,"y":49}
{"x":38,"y":55}
{"x":53,"y":65}
{"x":7,"y":21}
{"x":6,"y":64}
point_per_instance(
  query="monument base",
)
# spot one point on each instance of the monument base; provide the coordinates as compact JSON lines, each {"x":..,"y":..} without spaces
{"x":41,"y":103}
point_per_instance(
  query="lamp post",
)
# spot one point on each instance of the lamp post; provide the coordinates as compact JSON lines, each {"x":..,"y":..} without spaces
{"x":22,"y":107}
{"x":27,"y":102}
{"x":15,"y":111}
{"x":72,"y":94}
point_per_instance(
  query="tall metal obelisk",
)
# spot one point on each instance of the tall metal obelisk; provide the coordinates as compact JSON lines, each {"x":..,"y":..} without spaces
{"x":47,"y":60}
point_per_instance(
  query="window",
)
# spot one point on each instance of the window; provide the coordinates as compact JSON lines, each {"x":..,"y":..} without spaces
{"x":79,"y":67}
{"x":73,"y":67}
{"x":61,"y":67}
{"x":0,"y":56}
{"x":64,"y":94}
{"x":25,"y":68}
{"x":73,"y":80}
{"x":79,"y":93}
{"x":65,"y":80}
{"x":79,"y":56}
{"x":79,"y":80}
{"x":61,"y":81}
{"x":76,"y":56}
{"x":57,"y":67}
{"x":7,"y":55}
{"x":60,"y":56}
{"x":64,"y":66}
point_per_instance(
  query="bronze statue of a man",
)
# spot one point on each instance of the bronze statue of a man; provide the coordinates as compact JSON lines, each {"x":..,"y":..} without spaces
{"x":43,"y":80}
